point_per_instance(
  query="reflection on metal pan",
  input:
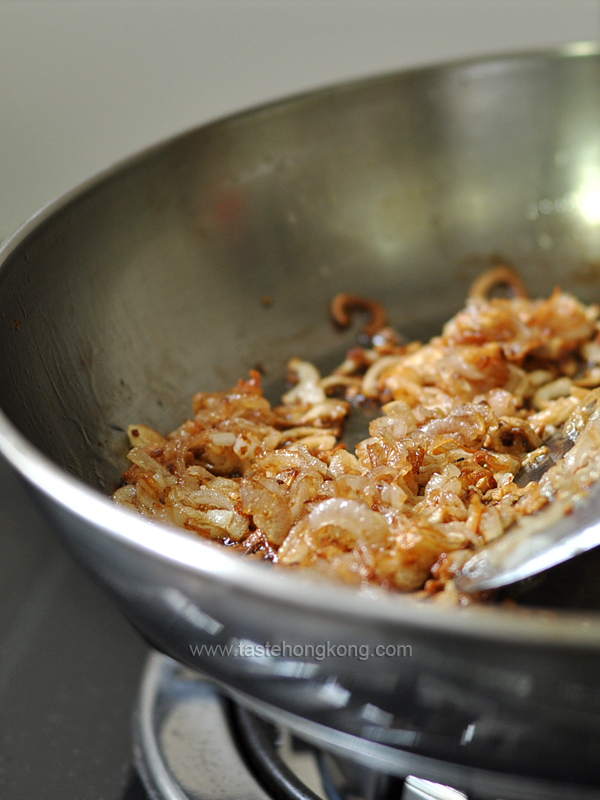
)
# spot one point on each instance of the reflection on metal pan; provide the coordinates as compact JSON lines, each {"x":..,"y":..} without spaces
{"x":120,"y":300}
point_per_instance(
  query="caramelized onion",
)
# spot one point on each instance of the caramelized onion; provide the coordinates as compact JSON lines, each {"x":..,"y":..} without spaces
{"x":461,"y":417}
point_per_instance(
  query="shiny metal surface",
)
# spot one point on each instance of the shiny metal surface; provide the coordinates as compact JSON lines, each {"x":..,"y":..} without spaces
{"x":190,"y":744}
{"x":122,"y":299}
{"x":536,"y":545}
{"x":416,"y":789}
{"x":187,"y":737}
{"x":183,"y":744}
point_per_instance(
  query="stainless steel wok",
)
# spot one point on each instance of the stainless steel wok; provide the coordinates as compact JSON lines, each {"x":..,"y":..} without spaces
{"x":146,"y":284}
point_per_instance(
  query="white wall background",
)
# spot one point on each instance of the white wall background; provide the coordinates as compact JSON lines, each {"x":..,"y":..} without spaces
{"x":85,"y":82}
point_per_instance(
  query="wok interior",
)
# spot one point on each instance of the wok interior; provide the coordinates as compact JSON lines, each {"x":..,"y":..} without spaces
{"x":219,"y":251}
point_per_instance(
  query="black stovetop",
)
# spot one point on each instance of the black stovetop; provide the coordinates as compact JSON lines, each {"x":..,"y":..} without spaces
{"x":70,"y":666}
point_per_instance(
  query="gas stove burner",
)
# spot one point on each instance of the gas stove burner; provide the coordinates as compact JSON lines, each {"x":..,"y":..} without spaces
{"x":191,"y":743}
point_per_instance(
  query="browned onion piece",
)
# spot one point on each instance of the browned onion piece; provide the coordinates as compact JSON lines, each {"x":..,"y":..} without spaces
{"x":497,"y":276}
{"x":343,"y":305}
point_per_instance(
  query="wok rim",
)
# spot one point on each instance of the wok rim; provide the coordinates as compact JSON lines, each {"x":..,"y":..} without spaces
{"x":539,"y":626}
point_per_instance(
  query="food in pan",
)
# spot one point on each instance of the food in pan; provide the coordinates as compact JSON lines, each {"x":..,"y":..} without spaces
{"x":464,"y":421}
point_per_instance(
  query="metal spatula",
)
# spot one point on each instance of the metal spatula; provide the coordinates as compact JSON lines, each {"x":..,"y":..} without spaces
{"x":567,"y":527}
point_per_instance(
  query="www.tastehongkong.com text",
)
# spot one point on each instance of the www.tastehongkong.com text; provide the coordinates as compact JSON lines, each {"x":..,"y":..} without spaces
{"x":239,"y":648}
